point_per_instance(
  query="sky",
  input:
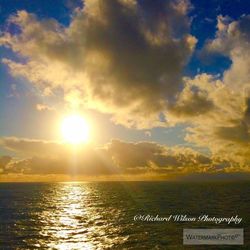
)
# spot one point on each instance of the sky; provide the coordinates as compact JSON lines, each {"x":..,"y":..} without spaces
{"x":163,"y":85}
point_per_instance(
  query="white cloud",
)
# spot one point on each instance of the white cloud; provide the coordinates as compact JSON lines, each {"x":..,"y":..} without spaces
{"x":225,"y":129}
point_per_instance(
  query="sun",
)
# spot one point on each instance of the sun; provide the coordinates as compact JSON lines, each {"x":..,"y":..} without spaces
{"x":75,"y":129}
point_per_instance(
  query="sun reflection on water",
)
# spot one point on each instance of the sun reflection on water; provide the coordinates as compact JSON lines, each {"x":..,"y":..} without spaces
{"x":69,"y":229}
{"x":72,"y":216}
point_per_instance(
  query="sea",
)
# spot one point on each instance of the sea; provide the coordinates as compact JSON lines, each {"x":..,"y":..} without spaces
{"x":116,"y":215}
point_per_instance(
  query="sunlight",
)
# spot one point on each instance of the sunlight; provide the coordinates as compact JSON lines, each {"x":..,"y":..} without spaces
{"x":75,"y":129}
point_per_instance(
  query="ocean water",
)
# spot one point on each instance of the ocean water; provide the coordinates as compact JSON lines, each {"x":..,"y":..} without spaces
{"x":101,"y":215}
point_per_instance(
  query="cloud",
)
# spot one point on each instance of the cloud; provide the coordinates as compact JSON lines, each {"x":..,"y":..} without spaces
{"x":115,"y":158}
{"x":225,"y":129}
{"x":32,"y":147}
{"x":147,"y":133}
{"x":191,"y":102}
{"x":232,"y":40}
{"x":43,"y":107}
{"x":4,"y":160}
{"x":122,"y":57}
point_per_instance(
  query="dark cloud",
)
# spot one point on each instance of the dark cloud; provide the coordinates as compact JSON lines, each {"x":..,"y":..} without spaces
{"x":192,"y":101}
{"x":115,"y":158}
{"x":4,"y":160}
{"x":238,"y":133}
{"x":121,"y":56}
